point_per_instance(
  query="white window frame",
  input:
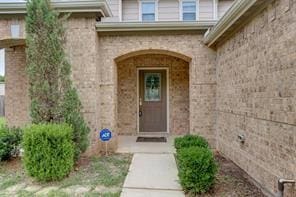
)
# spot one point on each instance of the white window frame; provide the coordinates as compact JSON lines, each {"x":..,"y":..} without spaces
{"x":215,"y":9}
{"x":181,"y":9}
{"x":120,"y":10}
{"x":148,"y":1}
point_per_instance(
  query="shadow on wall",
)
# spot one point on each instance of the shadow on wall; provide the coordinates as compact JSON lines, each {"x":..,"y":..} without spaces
{"x":2,"y":99}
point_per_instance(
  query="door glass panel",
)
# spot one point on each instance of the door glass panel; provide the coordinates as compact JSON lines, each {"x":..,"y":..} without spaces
{"x":152,"y":86}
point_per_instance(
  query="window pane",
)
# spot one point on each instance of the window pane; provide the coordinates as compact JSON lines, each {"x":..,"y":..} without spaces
{"x":189,"y":17}
{"x":148,"y":7}
{"x":152,"y":86}
{"x":189,"y":7}
{"x":148,"y":17}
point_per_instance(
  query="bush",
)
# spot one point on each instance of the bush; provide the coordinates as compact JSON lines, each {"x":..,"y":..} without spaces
{"x":48,"y":151}
{"x":73,"y":117}
{"x":197,"y":169}
{"x":10,"y":139}
{"x":189,"y":141}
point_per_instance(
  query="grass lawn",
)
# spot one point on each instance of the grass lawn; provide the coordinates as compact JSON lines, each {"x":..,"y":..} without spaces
{"x":96,"y":176}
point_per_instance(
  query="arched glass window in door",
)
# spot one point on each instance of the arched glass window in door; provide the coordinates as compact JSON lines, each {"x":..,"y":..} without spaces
{"x":152,"y":86}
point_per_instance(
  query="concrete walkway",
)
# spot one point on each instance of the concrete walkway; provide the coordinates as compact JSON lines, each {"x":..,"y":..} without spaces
{"x":152,"y":173}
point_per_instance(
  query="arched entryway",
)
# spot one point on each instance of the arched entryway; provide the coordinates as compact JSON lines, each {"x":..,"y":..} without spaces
{"x":153,"y":92}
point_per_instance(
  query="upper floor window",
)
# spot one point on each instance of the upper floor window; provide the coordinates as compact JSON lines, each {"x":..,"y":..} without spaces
{"x":189,"y":10}
{"x":148,"y":11}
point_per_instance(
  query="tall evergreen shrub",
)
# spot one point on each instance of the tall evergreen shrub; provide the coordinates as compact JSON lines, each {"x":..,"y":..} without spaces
{"x":53,"y":97}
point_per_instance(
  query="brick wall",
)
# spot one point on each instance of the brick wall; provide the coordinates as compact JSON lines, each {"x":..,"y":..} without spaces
{"x":5,"y":24}
{"x":82,"y":52}
{"x":17,"y":100}
{"x":256,"y":96}
{"x":178,"y":92}
{"x":201,"y":77}
{"x":249,"y":88}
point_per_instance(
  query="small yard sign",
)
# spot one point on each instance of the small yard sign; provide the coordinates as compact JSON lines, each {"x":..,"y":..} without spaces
{"x":105,"y":136}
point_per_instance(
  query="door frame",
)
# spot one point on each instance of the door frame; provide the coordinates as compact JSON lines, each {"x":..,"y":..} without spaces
{"x":167,"y":100}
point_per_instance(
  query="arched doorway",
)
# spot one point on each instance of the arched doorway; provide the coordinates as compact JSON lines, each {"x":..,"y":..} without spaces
{"x":153,"y":93}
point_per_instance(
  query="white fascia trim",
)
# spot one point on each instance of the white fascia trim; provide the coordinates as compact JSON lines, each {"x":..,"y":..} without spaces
{"x":238,"y":9}
{"x":153,"y":26}
{"x":75,"y":6}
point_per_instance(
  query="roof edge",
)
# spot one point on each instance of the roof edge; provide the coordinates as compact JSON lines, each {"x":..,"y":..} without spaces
{"x":75,"y":6}
{"x":153,"y":26}
{"x":238,"y":9}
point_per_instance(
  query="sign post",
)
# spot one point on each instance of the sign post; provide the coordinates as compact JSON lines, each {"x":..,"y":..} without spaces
{"x":105,"y":136}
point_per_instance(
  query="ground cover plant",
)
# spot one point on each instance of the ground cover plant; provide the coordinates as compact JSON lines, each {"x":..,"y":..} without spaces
{"x":95,"y":176}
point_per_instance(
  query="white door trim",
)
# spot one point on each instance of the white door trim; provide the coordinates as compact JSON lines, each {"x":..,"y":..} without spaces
{"x":168,"y":96}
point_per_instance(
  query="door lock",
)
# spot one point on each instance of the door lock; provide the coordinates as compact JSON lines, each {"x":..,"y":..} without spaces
{"x":140,"y":113}
{"x":140,"y":101}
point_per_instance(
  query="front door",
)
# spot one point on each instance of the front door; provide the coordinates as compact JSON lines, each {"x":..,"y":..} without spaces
{"x":152,"y":101}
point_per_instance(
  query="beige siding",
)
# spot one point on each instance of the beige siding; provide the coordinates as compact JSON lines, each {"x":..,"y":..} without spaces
{"x":168,"y":10}
{"x":130,"y":10}
{"x":114,"y":6}
{"x":206,"y":9}
{"x":223,"y":6}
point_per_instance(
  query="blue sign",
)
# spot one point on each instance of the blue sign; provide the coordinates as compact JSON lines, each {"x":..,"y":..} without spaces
{"x":105,"y":135}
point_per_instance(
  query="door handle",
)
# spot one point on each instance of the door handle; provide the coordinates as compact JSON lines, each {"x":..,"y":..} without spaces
{"x":140,"y":113}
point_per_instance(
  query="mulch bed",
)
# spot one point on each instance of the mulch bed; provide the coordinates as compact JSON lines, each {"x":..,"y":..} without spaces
{"x":232,"y":181}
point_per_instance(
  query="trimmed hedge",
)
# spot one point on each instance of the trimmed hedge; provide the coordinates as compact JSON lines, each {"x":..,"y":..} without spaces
{"x":189,"y":141}
{"x":10,"y":139}
{"x":197,"y":169}
{"x":48,"y":151}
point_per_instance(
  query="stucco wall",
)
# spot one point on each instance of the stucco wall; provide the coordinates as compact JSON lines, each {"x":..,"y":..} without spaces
{"x":256,"y":96}
{"x":201,"y":77}
{"x":178,"y":77}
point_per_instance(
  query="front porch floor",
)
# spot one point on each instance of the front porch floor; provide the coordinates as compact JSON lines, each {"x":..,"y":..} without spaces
{"x":128,"y":144}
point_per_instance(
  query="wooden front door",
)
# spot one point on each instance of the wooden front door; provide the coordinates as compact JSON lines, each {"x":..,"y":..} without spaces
{"x":152,"y":101}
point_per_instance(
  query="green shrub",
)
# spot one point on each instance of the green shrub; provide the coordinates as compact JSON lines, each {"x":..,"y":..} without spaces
{"x":197,"y":169}
{"x":48,"y":151}
{"x":73,"y":117}
{"x":10,"y":139}
{"x":17,"y":134}
{"x":190,"y":140}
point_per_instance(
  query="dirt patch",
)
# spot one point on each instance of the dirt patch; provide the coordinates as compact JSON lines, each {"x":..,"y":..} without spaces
{"x":82,"y":162}
{"x":232,"y":181}
{"x":12,"y":164}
